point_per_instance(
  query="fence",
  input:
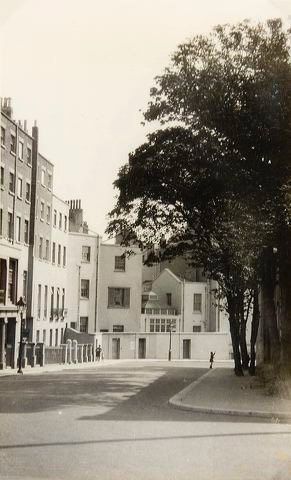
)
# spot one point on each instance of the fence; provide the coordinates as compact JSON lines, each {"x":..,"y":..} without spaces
{"x":71,"y":352}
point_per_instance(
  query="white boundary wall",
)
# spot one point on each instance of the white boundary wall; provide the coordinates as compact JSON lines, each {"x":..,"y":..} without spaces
{"x":157,"y":345}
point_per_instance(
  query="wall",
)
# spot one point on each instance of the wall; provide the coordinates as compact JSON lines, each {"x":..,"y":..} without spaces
{"x":131,"y":278}
{"x":157,"y":345}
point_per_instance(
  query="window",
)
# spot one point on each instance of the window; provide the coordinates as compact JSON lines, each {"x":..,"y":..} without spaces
{"x":42,"y":176}
{"x":162,"y":325}
{"x":48,"y":214}
{"x":55,"y":218}
{"x":37,"y":336}
{"x":196,"y":328}
{"x":54,"y":253}
{"x":40,"y":247}
{"x":26,"y":232}
{"x":197,"y":302}
{"x":64,"y":256}
{"x":66,"y":223}
{"x":12,"y":280}
{"x":118,"y":328}
{"x":2,"y":176}
{"x":52,"y":302}
{"x":51,"y":337}
{"x":119,"y":263}
{"x":57,"y":338}
{"x":44,"y":336}
{"x":47,"y":249}
{"x":19,"y":187}
{"x":63,"y":301}
{"x":24,"y":285}
{"x":27,"y":192}
{"x":118,"y":297}
{"x":84,"y":288}
{"x":1,"y":221}
{"x":10,"y":226}
{"x":18,"y":229}
{"x":45,"y":301}
{"x":86,"y":251}
{"x":3,"y":136}
{"x":169,"y":299}
{"x":42,"y":210}
{"x":49,"y":181}
{"x":13,"y":144}
{"x":11,"y":182}
{"x":60,"y":221}
{"x":59,"y":254}
{"x":39,"y":301}
{"x":84,"y":324}
{"x":28,"y":156}
{"x":20,"y":149}
{"x":58,"y":301}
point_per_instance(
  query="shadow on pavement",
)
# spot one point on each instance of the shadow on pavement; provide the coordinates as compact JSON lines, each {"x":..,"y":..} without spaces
{"x":119,"y":393}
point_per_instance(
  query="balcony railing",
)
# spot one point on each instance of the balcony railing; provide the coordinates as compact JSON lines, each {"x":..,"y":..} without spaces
{"x":57,"y":313}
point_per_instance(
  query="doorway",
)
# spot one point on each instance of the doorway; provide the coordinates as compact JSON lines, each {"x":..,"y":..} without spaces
{"x":10,"y":342}
{"x":187,"y":349}
{"x":115,"y":348}
{"x":141,"y":348}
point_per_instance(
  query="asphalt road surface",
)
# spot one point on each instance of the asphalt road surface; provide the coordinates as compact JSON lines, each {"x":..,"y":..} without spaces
{"x":114,"y":422}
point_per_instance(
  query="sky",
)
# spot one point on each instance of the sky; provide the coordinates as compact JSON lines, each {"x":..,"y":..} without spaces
{"x":84,"y":68}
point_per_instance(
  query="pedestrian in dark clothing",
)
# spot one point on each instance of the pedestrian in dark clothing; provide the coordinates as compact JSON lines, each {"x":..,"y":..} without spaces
{"x":211,"y":360}
{"x":98,"y":353}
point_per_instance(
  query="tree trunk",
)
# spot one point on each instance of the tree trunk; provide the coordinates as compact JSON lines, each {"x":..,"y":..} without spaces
{"x":254,"y":332}
{"x":272,"y":339}
{"x":235,"y":335}
{"x":285,"y":287}
{"x":243,"y":330}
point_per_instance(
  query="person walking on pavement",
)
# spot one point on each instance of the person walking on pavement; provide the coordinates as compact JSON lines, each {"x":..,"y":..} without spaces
{"x":211,"y":360}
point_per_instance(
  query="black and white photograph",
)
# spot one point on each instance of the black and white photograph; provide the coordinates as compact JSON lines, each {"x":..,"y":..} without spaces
{"x":145,"y":240}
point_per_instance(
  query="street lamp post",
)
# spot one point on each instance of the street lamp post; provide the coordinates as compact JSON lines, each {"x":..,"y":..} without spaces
{"x":20,"y":307}
{"x":170,"y":344}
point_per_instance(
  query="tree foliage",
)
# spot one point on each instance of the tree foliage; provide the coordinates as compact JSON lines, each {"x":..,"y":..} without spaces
{"x":213,"y":181}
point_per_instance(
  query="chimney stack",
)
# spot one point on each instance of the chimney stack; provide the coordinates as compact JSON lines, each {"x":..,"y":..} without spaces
{"x":7,"y":106}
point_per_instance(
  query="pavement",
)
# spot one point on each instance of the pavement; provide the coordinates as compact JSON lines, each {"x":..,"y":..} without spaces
{"x":218,"y":391}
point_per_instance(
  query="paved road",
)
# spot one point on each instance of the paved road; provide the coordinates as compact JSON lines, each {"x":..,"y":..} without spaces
{"x":114,"y":422}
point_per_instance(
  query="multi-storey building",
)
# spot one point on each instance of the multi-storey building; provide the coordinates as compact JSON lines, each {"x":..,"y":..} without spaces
{"x":16,"y":191}
{"x":27,"y":238}
{"x":83,"y":265}
{"x":119,"y":305}
{"x":49,"y":296}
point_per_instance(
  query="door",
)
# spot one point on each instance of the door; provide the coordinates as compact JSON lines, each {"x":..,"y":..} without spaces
{"x":141,"y":348}
{"x":186,"y":349}
{"x":115,"y":348}
{"x":10,"y":342}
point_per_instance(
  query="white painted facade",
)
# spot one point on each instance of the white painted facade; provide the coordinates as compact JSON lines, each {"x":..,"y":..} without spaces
{"x":50,"y":285}
{"x":119,"y":305}
{"x":83,"y":267}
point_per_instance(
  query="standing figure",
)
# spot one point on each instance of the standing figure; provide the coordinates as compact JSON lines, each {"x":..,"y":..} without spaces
{"x":211,"y":360}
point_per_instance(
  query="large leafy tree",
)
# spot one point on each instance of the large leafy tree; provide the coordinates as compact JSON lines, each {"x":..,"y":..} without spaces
{"x":217,"y":184}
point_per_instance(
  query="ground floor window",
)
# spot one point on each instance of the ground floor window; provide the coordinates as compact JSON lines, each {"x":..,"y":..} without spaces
{"x":162,"y":325}
{"x":84,"y":324}
{"x":196,"y":328}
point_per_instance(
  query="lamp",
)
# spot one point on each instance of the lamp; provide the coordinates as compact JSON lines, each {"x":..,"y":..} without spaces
{"x":21,"y":306}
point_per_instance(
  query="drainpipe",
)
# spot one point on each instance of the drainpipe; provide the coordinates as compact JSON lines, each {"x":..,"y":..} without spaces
{"x":79,"y":292}
{"x":97,"y":279}
{"x":15,"y":183}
